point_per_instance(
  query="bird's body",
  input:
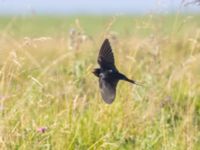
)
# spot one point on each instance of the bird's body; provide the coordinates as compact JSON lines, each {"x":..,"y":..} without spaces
{"x":108,"y":74}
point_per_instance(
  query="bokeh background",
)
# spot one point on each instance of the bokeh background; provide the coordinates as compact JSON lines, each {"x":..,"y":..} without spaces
{"x":49,"y":98}
{"x":87,"y":7}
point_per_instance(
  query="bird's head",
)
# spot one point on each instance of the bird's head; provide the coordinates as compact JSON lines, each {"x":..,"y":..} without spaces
{"x":96,"y":72}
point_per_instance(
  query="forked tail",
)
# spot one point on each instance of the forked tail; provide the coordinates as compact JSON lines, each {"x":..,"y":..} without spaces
{"x":133,"y":82}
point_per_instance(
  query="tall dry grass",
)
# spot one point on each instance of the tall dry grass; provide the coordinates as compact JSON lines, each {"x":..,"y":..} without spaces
{"x":49,"y":98}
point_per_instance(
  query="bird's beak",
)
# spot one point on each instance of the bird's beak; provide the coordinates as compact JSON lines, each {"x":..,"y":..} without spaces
{"x":96,"y":72}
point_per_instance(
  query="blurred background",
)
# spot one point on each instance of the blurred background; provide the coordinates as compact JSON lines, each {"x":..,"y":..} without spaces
{"x":98,"y":7}
{"x":49,"y":98}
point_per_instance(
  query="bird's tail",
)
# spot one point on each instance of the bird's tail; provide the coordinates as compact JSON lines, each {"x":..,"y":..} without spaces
{"x":134,"y":82}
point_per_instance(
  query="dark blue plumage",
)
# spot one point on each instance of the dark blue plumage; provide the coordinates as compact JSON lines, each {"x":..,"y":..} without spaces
{"x":107,"y":73}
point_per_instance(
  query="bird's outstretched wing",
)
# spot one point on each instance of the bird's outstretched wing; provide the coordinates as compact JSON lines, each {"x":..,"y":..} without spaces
{"x":108,"y":89}
{"x":106,"y":57}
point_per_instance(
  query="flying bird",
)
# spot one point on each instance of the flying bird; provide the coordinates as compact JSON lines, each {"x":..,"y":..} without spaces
{"x":108,"y":74}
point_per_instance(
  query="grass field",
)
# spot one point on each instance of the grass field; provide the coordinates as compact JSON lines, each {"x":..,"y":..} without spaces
{"x":46,"y":83}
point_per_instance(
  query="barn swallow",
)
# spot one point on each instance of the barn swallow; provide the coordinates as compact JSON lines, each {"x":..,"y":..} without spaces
{"x":108,"y":74}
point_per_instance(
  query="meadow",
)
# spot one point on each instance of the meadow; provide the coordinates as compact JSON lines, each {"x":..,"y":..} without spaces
{"x":49,"y":98}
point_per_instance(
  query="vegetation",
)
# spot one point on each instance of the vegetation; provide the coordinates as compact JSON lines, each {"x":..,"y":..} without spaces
{"x":49,"y":99}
